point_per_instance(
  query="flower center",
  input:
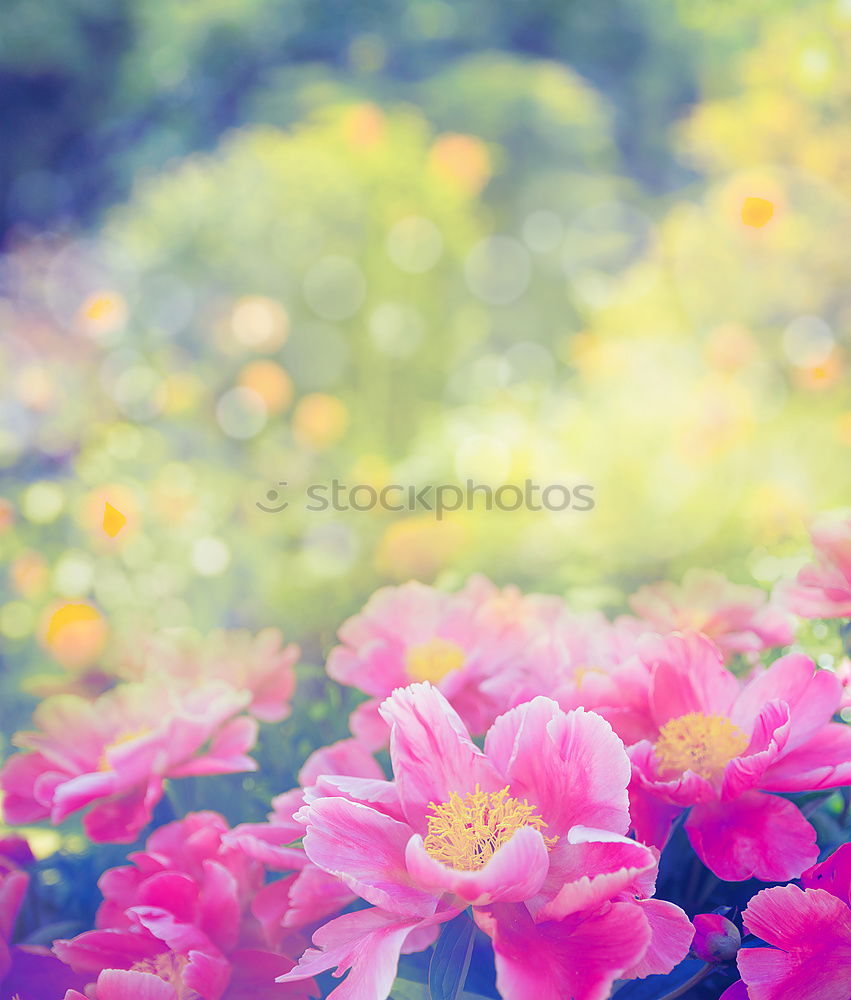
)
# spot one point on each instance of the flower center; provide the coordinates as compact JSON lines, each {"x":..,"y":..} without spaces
{"x":170,"y":968}
{"x":701,"y":743}
{"x":120,"y":740}
{"x":464,"y":833}
{"x":432,"y":660}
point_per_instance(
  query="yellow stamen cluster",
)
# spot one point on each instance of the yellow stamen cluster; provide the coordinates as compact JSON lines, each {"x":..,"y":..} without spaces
{"x":433,"y":660}
{"x":704,"y":744}
{"x":170,"y":968}
{"x":465,"y":832}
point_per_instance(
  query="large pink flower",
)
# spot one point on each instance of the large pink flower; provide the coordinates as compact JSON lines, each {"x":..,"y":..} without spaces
{"x":810,"y":933}
{"x":529,"y":832}
{"x":455,"y":641}
{"x":739,"y":618}
{"x":114,"y":753}
{"x":29,"y":972}
{"x":192,"y":911}
{"x":260,"y":664}
{"x":721,"y":745}
{"x":823,"y":588}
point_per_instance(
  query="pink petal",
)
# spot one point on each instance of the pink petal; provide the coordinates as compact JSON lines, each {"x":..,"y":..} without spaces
{"x":812,"y":695}
{"x":570,"y":958}
{"x":589,"y":869}
{"x":108,"y":949}
{"x":117,"y":985}
{"x":688,"y":676}
{"x":824,"y":761}
{"x":755,"y":836}
{"x":833,"y":874}
{"x":514,"y":873}
{"x":432,"y":753}
{"x":671,"y":939}
{"x":811,"y":930}
{"x":366,"y":849}
{"x":367,"y":944}
{"x":349,"y":757}
{"x":768,"y":738}
{"x":570,"y":766}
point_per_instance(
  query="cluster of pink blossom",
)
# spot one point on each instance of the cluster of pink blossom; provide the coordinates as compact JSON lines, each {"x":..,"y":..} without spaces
{"x":540,"y":763}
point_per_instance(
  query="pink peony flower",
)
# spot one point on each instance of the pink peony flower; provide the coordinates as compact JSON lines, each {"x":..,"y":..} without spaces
{"x":28,"y":972}
{"x":721,"y":745}
{"x":530,"y":833}
{"x":823,"y":588}
{"x":582,"y":660}
{"x":114,"y":753}
{"x":193,"y":912}
{"x":259,"y":664}
{"x":809,"y":930}
{"x":739,"y":618}
{"x":455,"y":641}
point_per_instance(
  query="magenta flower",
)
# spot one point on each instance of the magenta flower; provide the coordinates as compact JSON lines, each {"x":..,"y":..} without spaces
{"x":259,"y":664}
{"x":191,"y":911}
{"x":823,"y":588}
{"x":809,"y":931}
{"x":456,"y":641}
{"x":529,"y":832}
{"x":721,"y":745}
{"x":28,"y":972}
{"x":738,"y":618}
{"x":113,"y":754}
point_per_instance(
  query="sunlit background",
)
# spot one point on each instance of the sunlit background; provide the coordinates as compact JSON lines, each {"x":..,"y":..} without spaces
{"x":255,"y":241}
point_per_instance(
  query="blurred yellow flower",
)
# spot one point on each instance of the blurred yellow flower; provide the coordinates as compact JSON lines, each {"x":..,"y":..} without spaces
{"x":462,"y":159}
{"x":75,"y":634}
{"x":320,"y":420}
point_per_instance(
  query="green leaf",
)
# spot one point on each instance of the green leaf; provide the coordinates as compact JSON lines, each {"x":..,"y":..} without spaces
{"x":451,"y":959}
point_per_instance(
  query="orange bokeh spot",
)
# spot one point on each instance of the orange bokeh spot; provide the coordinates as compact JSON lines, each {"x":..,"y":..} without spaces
{"x":75,"y":634}
{"x":757,"y":212}
{"x":320,"y":420}
{"x":7,"y":514}
{"x":365,"y":126}
{"x":29,"y":574}
{"x":93,"y":513}
{"x":113,"y":520}
{"x":271,"y":383}
{"x":419,"y":547}
{"x":461,"y":159}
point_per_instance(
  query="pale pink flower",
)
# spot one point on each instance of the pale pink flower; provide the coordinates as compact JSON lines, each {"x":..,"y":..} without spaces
{"x":529,"y":832}
{"x":823,"y":588}
{"x":737,"y":617}
{"x":722,"y":745}
{"x":456,"y":641}
{"x":114,"y":754}
{"x":259,"y":664}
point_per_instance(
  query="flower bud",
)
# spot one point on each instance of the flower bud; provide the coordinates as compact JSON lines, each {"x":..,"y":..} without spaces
{"x":716,"y":939}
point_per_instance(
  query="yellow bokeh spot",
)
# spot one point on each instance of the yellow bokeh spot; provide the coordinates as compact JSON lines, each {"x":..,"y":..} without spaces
{"x":843,"y":427}
{"x":704,"y":744}
{"x":102,"y":312}
{"x":93,"y":513}
{"x":75,"y":634}
{"x":465,"y":832}
{"x":433,"y":660}
{"x":320,"y":420}
{"x":461,"y":159}
{"x":419,"y":547}
{"x":271,"y":383}
{"x":259,"y":323}
{"x":113,"y":520}
{"x":757,"y":212}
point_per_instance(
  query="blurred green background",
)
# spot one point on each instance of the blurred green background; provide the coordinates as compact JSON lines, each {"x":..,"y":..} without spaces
{"x":247,"y":242}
